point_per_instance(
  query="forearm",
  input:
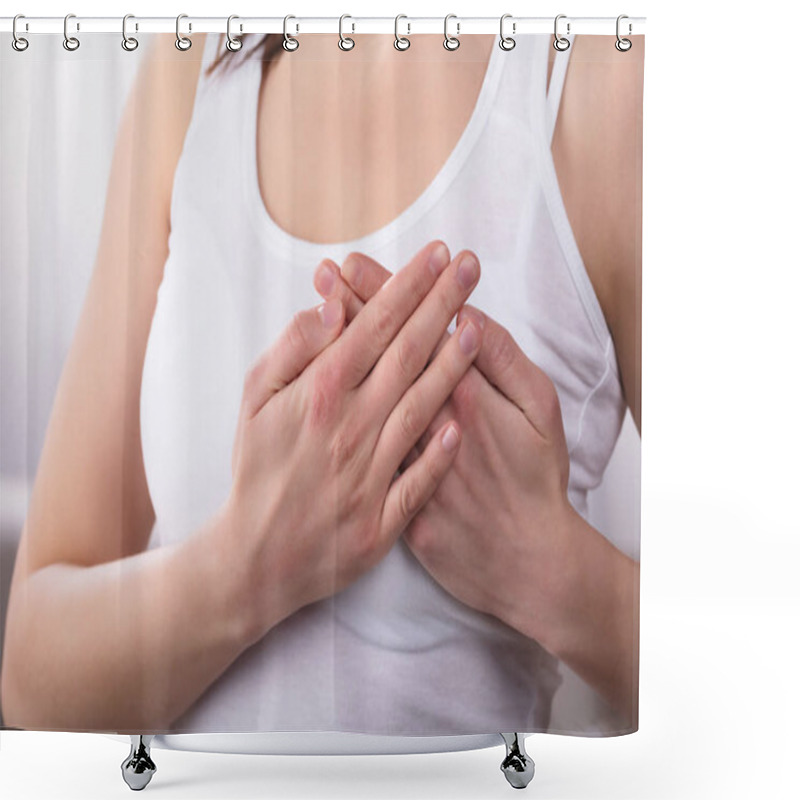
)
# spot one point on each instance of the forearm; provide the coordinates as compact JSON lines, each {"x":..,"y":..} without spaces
{"x":592,"y":621}
{"x":123,"y":646}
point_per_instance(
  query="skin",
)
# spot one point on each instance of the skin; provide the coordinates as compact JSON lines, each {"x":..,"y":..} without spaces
{"x":90,"y":513}
{"x":501,"y":516}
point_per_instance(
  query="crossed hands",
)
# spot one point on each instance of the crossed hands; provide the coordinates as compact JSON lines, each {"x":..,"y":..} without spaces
{"x":366,"y":421}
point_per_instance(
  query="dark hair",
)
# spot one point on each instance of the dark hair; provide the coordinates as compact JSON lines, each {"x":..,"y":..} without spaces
{"x":268,"y":49}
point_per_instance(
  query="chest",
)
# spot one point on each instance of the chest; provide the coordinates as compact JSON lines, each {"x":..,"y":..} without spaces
{"x":354,"y":150}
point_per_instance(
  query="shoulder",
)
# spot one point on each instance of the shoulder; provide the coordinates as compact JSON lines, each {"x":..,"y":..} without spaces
{"x":161,"y":106}
{"x":598,"y":139}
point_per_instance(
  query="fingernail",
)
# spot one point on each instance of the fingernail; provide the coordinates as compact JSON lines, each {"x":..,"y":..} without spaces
{"x":351,"y":271}
{"x":450,"y":438}
{"x":439,"y":258}
{"x":467,"y":271}
{"x":468,"y":340}
{"x":329,"y":312}
{"x":325,"y":280}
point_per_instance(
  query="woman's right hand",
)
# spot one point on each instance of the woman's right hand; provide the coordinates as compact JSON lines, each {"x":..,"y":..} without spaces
{"x":326,"y":419}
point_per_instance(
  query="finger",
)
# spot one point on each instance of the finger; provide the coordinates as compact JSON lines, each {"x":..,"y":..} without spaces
{"x":409,"y":493}
{"x":505,"y":365}
{"x":307,"y":335}
{"x":368,"y":335}
{"x":329,"y":283}
{"x":419,"y":405}
{"x":364,"y":275}
{"x":407,"y":355}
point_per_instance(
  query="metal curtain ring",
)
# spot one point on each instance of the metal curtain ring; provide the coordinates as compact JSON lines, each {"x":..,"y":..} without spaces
{"x":507,"y":42}
{"x":451,"y":42}
{"x":559,"y":42}
{"x":19,"y":43}
{"x":345,"y":42}
{"x":290,"y":43}
{"x":182,"y":42}
{"x":70,"y":42}
{"x":623,"y":45}
{"x":129,"y":43}
{"x":232,"y":44}
{"x":400,"y":42}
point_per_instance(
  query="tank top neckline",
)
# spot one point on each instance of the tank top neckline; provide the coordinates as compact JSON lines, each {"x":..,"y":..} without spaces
{"x":286,"y":242}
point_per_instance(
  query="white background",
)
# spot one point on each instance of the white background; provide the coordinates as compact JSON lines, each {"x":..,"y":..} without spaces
{"x":720,"y":607}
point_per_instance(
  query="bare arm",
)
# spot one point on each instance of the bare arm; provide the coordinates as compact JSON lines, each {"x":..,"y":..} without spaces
{"x":597,"y":629}
{"x":600,"y":176}
{"x":101,"y":635}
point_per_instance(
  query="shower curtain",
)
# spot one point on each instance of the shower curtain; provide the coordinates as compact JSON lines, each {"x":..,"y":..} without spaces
{"x":320,"y":383}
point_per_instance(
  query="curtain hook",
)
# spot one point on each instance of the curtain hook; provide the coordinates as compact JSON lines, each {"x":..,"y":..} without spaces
{"x":451,"y":42}
{"x":406,"y":43}
{"x":559,"y":42}
{"x":18,"y":42}
{"x":71,"y":43}
{"x":233,"y":44}
{"x":290,"y":43}
{"x":345,"y":42}
{"x":129,"y":43}
{"x":183,"y":43}
{"x":507,"y":42}
{"x":623,"y":45}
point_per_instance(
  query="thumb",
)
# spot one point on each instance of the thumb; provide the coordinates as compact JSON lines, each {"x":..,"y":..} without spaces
{"x":308,"y":333}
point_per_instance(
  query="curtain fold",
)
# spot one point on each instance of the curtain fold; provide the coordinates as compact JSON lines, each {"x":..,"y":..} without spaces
{"x":222,"y":514}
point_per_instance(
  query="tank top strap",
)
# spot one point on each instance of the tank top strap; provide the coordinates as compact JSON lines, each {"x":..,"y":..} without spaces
{"x":556,"y":86}
{"x":544,"y":102}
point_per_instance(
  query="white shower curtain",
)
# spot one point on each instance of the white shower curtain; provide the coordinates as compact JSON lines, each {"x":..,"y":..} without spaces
{"x":276,"y":163}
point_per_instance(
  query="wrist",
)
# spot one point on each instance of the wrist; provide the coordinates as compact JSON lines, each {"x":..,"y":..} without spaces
{"x":255,"y":590}
{"x":546,"y":579}
{"x":233,"y":578}
{"x":590,"y":601}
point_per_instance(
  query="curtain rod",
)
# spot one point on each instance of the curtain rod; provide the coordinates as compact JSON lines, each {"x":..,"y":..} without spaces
{"x":298,"y":24}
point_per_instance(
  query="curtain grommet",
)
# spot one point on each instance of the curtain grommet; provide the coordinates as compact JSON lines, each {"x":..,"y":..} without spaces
{"x":345,"y":42}
{"x":401,"y":42}
{"x":507,"y":42}
{"x":19,"y":43}
{"x":70,"y":43}
{"x":290,"y":43}
{"x":623,"y":45}
{"x":233,"y":44}
{"x":182,"y":43}
{"x":451,"y":42}
{"x":129,"y":43}
{"x":560,"y":43}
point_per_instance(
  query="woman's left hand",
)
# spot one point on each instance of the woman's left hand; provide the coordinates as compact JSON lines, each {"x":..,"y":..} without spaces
{"x":495,"y":533}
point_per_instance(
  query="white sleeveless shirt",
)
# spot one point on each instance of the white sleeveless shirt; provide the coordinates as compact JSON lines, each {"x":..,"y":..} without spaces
{"x":393,"y":653}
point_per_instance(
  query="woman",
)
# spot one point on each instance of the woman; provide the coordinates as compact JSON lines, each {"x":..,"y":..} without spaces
{"x":321,"y":614}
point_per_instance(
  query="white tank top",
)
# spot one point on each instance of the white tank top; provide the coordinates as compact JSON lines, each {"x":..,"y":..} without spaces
{"x":393,"y":653}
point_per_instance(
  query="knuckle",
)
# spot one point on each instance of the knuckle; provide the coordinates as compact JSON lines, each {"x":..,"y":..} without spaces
{"x":296,"y":333}
{"x":409,"y":422}
{"x":383,"y":323}
{"x":503,"y":351}
{"x":342,"y":448}
{"x":408,"y":500}
{"x":446,"y":303}
{"x":320,"y":405}
{"x":551,"y":406}
{"x":408,"y":356}
{"x":324,"y":394}
{"x":420,"y":286}
{"x":465,"y":396}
